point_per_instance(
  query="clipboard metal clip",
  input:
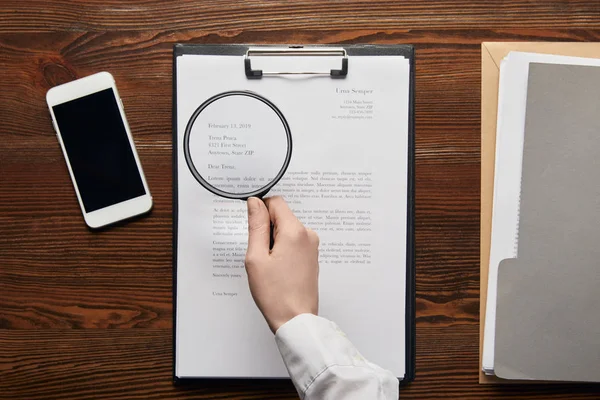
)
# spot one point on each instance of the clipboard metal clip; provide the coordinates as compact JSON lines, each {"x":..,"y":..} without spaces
{"x":295,"y":51}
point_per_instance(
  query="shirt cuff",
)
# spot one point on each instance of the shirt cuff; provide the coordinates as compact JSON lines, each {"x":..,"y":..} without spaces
{"x":309,"y":345}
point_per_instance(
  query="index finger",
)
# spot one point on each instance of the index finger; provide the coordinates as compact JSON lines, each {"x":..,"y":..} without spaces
{"x":280,"y":213}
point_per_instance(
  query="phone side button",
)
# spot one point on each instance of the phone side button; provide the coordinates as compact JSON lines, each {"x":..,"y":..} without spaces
{"x":55,"y":127}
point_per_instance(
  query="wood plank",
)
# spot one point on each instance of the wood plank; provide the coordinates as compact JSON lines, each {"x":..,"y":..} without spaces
{"x":137,"y":364}
{"x":262,"y":15}
{"x":107,"y":363}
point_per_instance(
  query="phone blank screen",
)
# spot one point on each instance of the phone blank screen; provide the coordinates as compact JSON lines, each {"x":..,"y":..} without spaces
{"x":98,"y":150}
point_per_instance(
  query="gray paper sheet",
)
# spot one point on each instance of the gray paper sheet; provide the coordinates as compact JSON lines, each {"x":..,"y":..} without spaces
{"x":548,"y":305}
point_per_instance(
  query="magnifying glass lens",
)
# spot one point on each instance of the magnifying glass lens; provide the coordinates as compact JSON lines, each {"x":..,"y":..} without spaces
{"x":238,"y":144}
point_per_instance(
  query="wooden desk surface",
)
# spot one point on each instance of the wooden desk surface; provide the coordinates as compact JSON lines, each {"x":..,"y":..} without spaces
{"x":88,"y":315}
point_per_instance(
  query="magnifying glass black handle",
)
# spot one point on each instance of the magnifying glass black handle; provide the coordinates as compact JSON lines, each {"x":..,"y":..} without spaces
{"x":272,"y":227}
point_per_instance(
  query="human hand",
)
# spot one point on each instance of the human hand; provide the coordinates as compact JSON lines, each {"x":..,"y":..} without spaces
{"x":283,"y":281}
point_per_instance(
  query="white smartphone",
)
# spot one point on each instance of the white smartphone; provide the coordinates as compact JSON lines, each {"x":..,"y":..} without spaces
{"x":92,"y":130}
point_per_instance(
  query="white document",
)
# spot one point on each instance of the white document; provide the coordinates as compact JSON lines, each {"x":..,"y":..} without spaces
{"x":512,"y":100}
{"x":347,"y":181}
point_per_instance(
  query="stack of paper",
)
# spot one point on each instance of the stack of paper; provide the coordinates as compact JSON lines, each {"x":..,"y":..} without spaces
{"x":542,"y":320}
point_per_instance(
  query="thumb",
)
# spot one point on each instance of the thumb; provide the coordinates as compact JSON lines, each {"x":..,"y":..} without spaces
{"x":259,"y":227}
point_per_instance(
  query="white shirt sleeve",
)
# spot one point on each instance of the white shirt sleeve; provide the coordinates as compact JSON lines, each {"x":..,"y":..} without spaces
{"x":323,"y":363}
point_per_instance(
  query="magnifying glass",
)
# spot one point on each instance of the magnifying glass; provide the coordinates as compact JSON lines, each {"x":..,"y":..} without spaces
{"x":237,"y":145}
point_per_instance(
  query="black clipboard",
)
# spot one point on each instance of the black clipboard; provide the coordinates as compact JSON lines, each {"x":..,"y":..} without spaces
{"x":350,"y":51}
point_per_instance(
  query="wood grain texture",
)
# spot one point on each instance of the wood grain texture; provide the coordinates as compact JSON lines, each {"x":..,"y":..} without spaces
{"x":88,"y":315}
{"x":234,"y":16}
{"x":135,"y":364}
